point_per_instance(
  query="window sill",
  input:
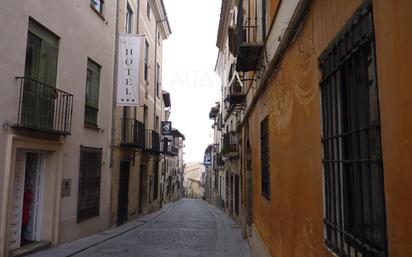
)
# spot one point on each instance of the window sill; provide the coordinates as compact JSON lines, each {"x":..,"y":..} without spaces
{"x":91,"y":126}
{"x":97,"y":12}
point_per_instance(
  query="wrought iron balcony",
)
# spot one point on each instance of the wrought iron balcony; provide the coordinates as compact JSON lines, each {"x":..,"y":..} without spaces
{"x":133,"y":133}
{"x":152,"y":144}
{"x":237,"y":94}
{"x":248,"y":46}
{"x":44,"y":108}
{"x":230,"y":145}
{"x":90,"y":115}
{"x":169,"y":148}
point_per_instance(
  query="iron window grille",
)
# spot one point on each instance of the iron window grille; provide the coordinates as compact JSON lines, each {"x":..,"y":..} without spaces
{"x":264,"y":158}
{"x":89,"y":183}
{"x":355,"y":223}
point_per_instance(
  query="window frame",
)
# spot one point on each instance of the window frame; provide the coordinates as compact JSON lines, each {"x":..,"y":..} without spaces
{"x":157,"y":80}
{"x":129,"y":19}
{"x":85,"y":193}
{"x":146,"y":74}
{"x":148,"y":10}
{"x":92,"y":108}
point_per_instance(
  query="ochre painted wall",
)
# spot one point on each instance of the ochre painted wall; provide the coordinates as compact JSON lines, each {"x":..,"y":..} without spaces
{"x":393,"y":33}
{"x":290,"y":224}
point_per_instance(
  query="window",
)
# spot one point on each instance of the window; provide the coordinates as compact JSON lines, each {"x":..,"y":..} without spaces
{"x":159,"y":38}
{"x":146,"y":61}
{"x":39,"y":94}
{"x":148,"y":9}
{"x":145,"y":115}
{"x":97,"y":5}
{"x":41,"y":54}
{"x":92,"y":93}
{"x":89,"y":183}
{"x":264,"y":158}
{"x":129,"y":19}
{"x":157,"y":125}
{"x":157,"y":79}
{"x":355,"y":220}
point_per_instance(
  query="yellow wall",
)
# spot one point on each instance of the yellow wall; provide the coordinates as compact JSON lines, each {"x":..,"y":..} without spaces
{"x":291,"y":223}
{"x":393,"y":32}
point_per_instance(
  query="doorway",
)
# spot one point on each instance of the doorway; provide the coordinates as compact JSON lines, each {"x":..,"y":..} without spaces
{"x":25,"y":224}
{"x":123,"y":197}
{"x":142,"y":187}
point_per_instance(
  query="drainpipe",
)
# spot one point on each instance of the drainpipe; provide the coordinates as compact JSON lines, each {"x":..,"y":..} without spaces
{"x":116,"y":36}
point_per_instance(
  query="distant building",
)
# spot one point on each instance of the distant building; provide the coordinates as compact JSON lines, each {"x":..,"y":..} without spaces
{"x":192,"y":180}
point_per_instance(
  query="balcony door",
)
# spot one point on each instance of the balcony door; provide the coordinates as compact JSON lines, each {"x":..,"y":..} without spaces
{"x":40,"y":78}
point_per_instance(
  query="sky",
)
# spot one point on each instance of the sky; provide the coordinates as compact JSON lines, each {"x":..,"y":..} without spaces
{"x":189,"y":58}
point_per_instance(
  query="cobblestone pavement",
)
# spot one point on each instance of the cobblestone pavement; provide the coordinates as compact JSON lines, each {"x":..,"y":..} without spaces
{"x":188,"y":228}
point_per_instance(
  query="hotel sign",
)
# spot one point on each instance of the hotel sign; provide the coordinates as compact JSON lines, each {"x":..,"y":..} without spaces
{"x":128,"y":70}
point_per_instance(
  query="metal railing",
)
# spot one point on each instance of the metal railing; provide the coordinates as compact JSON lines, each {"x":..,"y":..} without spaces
{"x":152,"y":143}
{"x":247,"y":24}
{"x":230,"y":143}
{"x":249,"y":38}
{"x":168,"y":148}
{"x":43,"y":107}
{"x":90,"y":115}
{"x":133,"y":133}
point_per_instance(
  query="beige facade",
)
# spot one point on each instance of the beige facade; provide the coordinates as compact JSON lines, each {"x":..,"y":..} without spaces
{"x":233,"y":89}
{"x":137,"y":158}
{"x":217,"y":169}
{"x":173,"y":167}
{"x":192,"y":180}
{"x":45,"y":128}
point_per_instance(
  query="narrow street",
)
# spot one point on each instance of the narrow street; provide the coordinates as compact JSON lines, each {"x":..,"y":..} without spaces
{"x":188,"y":228}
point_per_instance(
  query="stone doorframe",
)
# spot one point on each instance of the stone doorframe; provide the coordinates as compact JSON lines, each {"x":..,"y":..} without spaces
{"x":54,"y":166}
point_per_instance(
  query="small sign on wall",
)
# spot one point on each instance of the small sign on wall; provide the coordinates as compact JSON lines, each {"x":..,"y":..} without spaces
{"x":166,"y":127}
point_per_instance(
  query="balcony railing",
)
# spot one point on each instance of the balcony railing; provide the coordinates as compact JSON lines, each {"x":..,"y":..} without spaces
{"x":133,"y":133}
{"x":230,"y":144}
{"x":168,"y":148}
{"x":90,"y":115}
{"x":152,"y":143}
{"x":249,"y":45}
{"x":237,"y":94}
{"x":44,"y":108}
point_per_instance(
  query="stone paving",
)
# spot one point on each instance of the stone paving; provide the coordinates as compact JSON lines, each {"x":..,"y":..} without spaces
{"x":188,"y":228}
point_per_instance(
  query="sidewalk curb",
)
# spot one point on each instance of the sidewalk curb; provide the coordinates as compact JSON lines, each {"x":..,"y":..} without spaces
{"x":73,"y":248}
